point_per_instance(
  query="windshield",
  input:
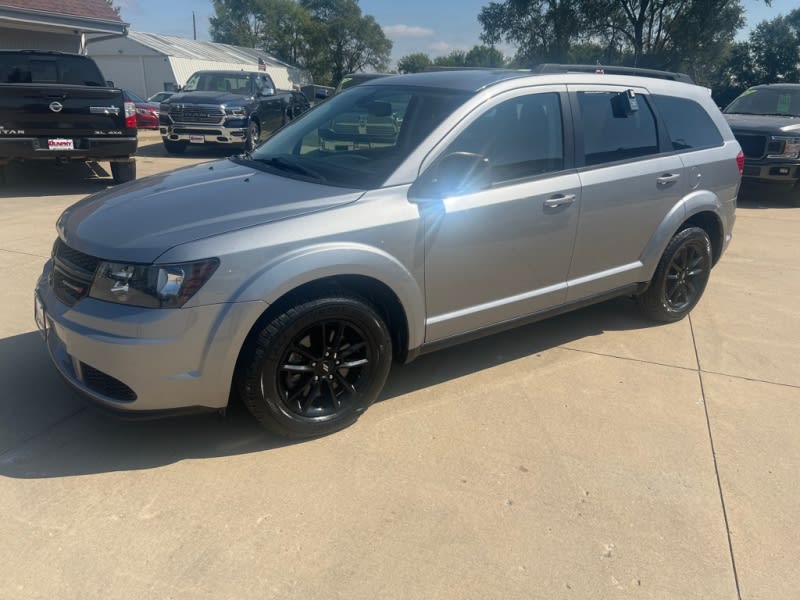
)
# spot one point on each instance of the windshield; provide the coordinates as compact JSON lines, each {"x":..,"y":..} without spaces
{"x":358,"y":138}
{"x":232,"y":83}
{"x":767,"y":101}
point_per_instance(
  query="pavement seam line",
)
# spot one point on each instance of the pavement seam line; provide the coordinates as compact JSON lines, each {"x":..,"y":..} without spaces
{"x":716,"y":466}
{"x":47,"y":429}
{"x":24,"y":253}
{"x":659,"y":364}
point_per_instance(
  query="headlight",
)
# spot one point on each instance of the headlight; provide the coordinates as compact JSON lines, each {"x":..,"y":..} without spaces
{"x":236,"y":111}
{"x":151,"y":286}
{"x":783,"y":147}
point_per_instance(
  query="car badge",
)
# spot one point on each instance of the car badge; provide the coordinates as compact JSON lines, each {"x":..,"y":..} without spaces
{"x":56,"y":106}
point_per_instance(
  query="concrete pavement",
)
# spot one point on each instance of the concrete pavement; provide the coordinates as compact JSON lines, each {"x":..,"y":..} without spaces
{"x":590,"y":456}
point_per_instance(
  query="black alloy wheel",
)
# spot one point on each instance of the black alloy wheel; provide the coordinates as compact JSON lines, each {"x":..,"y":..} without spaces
{"x":316,"y":367}
{"x":680,"y":278}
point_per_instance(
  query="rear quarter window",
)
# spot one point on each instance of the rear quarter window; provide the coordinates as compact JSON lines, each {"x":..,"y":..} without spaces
{"x":689,"y":125}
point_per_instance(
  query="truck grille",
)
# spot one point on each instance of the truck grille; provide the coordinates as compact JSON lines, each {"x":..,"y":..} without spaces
{"x":752,"y":145}
{"x":196,"y":113}
{"x":73,"y":272}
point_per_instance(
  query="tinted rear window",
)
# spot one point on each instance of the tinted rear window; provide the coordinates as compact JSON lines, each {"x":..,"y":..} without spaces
{"x":609,"y":136}
{"x":73,"y":70}
{"x":688,"y":124}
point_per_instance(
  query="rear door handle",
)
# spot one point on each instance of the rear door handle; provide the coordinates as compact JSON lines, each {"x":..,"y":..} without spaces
{"x":559,"y":200}
{"x":665,"y":179}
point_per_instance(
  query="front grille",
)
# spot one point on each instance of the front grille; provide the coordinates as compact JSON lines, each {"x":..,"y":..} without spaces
{"x":106,"y":385}
{"x":72,"y":274}
{"x":64,"y":254}
{"x":752,"y":145}
{"x":202,"y":113}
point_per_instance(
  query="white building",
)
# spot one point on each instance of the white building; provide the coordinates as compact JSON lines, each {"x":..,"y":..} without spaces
{"x":148,"y":63}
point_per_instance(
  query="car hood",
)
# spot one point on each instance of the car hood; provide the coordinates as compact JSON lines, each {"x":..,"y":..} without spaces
{"x":139,"y":221}
{"x":206,"y":98}
{"x":764,"y":124}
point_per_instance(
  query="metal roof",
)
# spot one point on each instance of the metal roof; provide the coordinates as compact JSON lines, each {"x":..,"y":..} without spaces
{"x":90,"y":16}
{"x":207,"y":51}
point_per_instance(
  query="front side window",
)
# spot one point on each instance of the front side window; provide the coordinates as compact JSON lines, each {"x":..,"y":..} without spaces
{"x":612,"y":130}
{"x":688,"y":124}
{"x":522,"y":137}
{"x":357,"y":139}
{"x":72,"y":70}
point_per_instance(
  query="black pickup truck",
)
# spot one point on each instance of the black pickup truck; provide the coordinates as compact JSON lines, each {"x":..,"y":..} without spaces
{"x":766,"y":121}
{"x":57,"y":106}
{"x":238,"y":108}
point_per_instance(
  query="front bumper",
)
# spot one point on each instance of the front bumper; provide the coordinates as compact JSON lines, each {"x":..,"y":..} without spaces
{"x":145,"y":361}
{"x":204,"y":134}
{"x":775,"y":171}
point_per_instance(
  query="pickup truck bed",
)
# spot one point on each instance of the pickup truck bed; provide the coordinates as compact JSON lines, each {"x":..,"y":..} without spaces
{"x":56,"y":106}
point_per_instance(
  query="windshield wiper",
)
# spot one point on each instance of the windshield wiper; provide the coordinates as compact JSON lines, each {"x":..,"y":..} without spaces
{"x":285,"y":164}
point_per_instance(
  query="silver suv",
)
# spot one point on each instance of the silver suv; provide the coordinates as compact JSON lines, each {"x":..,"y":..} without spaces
{"x":399,"y":217}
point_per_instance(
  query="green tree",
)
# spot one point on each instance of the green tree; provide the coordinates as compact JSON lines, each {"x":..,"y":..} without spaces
{"x":543,"y":30}
{"x":775,"y":47}
{"x":238,"y":22}
{"x":414,"y":63}
{"x":343,"y":40}
{"x":484,"y":56}
{"x":285,"y":32}
{"x":456,"y":58}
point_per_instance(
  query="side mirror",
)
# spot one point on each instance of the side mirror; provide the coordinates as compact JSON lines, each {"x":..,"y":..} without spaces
{"x":267,"y":91}
{"x":109,"y":83}
{"x":455,"y":174}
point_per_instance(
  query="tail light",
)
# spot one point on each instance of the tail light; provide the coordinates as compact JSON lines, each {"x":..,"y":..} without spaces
{"x":130,"y":115}
{"x":740,"y":162}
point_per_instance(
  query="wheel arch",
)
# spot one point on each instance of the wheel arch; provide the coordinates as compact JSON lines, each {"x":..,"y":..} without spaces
{"x":700,"y":209}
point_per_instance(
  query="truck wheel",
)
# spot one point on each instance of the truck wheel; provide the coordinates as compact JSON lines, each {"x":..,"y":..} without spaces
{"x":680,"y":278}
{"x":123,"y":171}
{"x":316,"y":367}
{"x":253,"y":133}
{"x":174,"y":147}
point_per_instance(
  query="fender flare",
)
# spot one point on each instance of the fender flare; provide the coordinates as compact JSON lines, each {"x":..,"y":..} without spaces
{"x":321,"y":261}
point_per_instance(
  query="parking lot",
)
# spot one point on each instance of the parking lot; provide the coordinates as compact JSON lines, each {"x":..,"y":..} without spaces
{"x":593,"y":455}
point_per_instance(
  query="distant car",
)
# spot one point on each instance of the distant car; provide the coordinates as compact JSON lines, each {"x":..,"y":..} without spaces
{"x":146,"y":112}
{"x":159,"y":97}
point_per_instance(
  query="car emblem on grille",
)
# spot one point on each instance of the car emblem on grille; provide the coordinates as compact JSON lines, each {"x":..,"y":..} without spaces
{"x":56,"y":106}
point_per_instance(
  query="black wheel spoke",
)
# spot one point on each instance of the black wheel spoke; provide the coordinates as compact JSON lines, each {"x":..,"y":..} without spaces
{"x":349,"y":386}
{"x":298,"y":368}
{"x":308,"y":401}
{"x":352,"y":349}
{"x":354,"y":363}
{"x":303,"y":352}
{"x":334,"y":399}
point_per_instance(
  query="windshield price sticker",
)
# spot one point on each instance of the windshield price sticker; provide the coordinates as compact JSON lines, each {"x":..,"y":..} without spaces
{"x":60,"y":144}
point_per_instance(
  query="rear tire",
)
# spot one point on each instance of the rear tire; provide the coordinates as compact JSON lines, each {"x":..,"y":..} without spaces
{"x":316,"y":367}
{"x":680,"y":278}
{"x":174,"y":147}
{"x":123,"y":172}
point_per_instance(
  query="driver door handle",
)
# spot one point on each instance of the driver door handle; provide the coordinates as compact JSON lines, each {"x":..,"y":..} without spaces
{"x":668,"y":178}
{"x":559,"y":200}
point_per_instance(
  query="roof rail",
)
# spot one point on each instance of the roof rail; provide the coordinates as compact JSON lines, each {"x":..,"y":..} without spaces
{"x":611,"y":70}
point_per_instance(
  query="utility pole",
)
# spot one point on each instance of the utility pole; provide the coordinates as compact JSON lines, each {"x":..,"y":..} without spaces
{"x":194,"y":25}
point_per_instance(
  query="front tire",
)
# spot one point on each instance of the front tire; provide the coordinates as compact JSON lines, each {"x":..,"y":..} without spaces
{"x":123,"y":172}
{"x":680,"y":278}
{"x":253,"y":133}
{"x":316,"y":367}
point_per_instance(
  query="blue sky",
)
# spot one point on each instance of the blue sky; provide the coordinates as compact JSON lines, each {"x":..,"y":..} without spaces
{"x":430,"y":26}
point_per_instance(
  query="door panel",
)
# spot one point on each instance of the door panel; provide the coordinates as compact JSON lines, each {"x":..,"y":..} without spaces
{"x":504,"y":252}
{"x":628,"y":186}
